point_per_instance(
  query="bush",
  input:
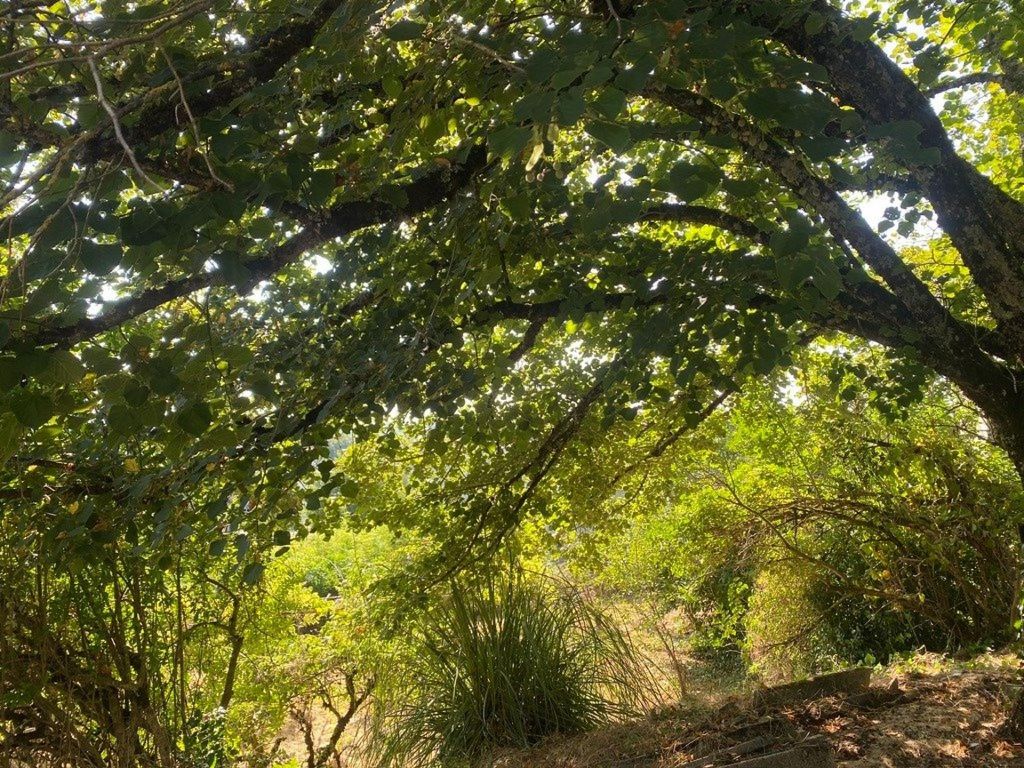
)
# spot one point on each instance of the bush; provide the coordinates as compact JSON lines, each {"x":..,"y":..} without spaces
{"x":504,"y":665}
{"x":312,"y":647}
{"x":786,"y":636}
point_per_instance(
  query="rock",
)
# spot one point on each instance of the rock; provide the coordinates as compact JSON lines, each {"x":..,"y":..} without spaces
{"x":813,"y":753}
{"x":848,"y":682}
{"x":722,"y":756}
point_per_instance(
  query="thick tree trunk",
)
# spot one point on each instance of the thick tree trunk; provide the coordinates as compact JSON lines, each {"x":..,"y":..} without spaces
{"x":1004,"y":411}
{"x":1010,"y":435}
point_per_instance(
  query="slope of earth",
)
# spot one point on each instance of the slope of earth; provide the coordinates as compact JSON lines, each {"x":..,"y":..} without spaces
{"x":907,"y":720}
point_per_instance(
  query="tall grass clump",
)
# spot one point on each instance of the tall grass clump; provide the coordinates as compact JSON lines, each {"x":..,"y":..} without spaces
{"x":505,"y":664}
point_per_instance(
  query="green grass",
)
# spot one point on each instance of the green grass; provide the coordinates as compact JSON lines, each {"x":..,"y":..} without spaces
{"x":505,"y":665}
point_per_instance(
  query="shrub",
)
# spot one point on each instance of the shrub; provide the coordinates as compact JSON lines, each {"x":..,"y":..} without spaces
{"x":786,"y":637}
{"x":504,"y":665}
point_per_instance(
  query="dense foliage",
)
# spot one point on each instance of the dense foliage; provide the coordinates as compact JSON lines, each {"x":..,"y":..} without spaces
{"x":122,"y":664}
{"x":233,"y":233}
{"x":281,"y":271}
{"x":815,"y":525}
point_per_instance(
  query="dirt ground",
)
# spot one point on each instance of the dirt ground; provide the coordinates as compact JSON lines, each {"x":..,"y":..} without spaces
{"x":923,"y":718}
{"x":952,"y":719}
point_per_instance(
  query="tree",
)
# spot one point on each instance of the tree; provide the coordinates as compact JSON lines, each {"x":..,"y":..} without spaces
{"x":233,"y":233}
{"x":815,"y":517}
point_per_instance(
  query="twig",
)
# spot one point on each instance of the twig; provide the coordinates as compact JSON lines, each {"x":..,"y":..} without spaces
{"x":977,"y":78}
{"x":193,"y":124}
{"x":496,"y":55}
{"x":615,"y":15}
{"x":109,"y":109}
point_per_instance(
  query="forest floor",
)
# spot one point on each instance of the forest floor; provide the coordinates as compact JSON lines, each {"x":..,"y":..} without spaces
{"x":925,"y":714}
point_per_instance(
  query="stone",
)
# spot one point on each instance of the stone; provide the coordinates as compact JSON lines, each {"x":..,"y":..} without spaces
{"x":813,"y":753}
{"x":847,"y":682}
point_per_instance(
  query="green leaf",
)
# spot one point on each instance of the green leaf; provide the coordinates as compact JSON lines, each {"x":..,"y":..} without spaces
{"x":122,"y":420}
{"x":233,"y":268}
{"x":195,"y":419}
{"x":509,"y":141}
{"x":8,"y":146}
{"x":262,"y":385}
{"x":535,"y":106}
{"x":143,"y":226}
{"x":565,"y":78}
{"x":10,"y":431}
{"x":33,"y":409}
{"x":827,"y":280}
{"x":610,"y":103}
{"x":615,"y":136}
{"x":10,"y":373}
{"x":136,"y":395}
{"x":862,"y":29}
{"x":165,"y":562}
{"x":252,"y":573}
{"x":230,"y":205}
{"x":392,"y":86}
{"x":598,"y":76}
{"x":542,"y":65}
{"x":224,"y":144}
{"x":64,"y":368}
{"x":32,"y":362}
{"x":348,"y":488}
{"x":406,"y":29}
{"x":305,"y":143}
{"x":519,"y":207}
{"x":571,"y":106}
{"x":163,"y":381}
{"x":688,"y":181}
{"x":793,"y":271}
{"x":635,"y":79}
{"x":321,"y":187}
{"x":788,"y":242}
{"x":100,"y":258}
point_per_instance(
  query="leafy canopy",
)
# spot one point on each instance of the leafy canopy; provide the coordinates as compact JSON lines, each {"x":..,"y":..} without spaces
{"x":234,"y":232}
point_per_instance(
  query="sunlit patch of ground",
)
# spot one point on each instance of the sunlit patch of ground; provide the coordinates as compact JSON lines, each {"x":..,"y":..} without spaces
{"x":945,"y":714}
{"x":946,"y":719}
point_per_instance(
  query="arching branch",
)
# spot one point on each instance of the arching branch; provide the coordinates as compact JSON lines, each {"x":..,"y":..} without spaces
{"x":424,"y":194}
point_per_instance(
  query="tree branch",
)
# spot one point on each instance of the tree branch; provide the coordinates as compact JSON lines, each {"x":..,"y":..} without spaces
{"x":700,"y":214}
{"x":985,"y":224}
{"x":269,"y":54}
{"x":932,"y":319}
{"x":430,"y":191}
{"x":976,"y":78}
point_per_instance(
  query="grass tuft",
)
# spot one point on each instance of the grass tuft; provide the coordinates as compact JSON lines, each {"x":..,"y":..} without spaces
{"x":507,"y":664}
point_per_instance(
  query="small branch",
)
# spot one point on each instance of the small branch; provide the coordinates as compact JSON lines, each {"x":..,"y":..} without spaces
{"x":424,"y":194}
{"x":702,"y":214}
{"x":109,"y":109}
{"x":976,"y":78}
{"x":498,"y":57}
{"x":193,"y":124}
{"x":528,"y":341}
